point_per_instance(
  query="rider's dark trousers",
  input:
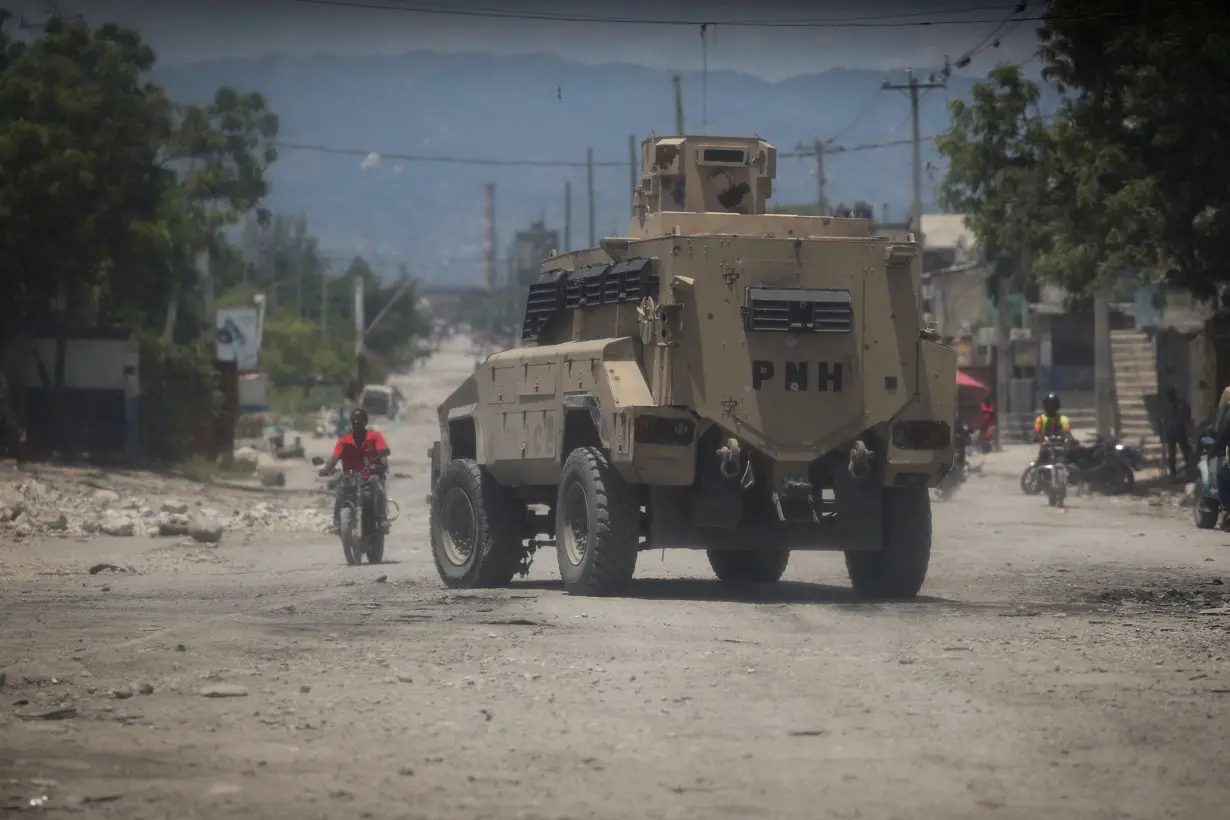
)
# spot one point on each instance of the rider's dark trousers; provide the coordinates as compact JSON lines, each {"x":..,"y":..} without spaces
{"x":382,"y":506}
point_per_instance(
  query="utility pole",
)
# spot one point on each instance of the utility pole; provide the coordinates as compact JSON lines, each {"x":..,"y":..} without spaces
{"x":912,"y":87}
{"x":1003,"y":362}
{"x":324,"y":307}
{"x":678,"y":82}
{"x":489,"y":254}
{"x":589,"y":177}
{"x":632,"y":173}
{"x":1102,"y":374}
{"x":567,"y":216}
{"x":359,"y":326}
{"x":822,"y":205}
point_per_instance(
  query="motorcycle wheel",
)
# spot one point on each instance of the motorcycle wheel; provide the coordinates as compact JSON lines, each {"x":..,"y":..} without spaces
{"x":375,"y":548}
{"x":348,"y":530}
{"x":1205,"y":512}
{"x":1125,"y":481}
{"x":1031,"y":484}
{"x":1061,"y":487}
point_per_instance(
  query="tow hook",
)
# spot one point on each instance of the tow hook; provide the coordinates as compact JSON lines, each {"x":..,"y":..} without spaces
{"x":860,"y":461}
{"x":734,"y":465}
{"x":731,"y":458}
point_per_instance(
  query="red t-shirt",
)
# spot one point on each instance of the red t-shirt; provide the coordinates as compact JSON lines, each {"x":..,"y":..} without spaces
{"x":354,"y":456}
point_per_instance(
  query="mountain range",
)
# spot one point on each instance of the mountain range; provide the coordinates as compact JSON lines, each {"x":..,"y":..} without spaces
{"x":426,"y":115}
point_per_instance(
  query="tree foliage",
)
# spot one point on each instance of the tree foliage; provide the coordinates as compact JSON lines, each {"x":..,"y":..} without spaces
{"x":1146,"y":133}
{"x":1132,"y":175}
{"x":109,"y":189}
{"x":309,"y":334}
{"x":997,"y":147}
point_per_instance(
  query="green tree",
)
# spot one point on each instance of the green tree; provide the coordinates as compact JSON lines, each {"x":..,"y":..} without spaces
{"x":1142,"y":174}
{"x":80,"y":134}
{"x":998,"y":149}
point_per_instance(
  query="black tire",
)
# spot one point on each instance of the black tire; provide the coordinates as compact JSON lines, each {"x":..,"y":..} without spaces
{"x":1031,"y":483}
{"x":749,"y":566}
{"x":375,"y":549}
{"x":899,"y":568}
{"x":346,"y":531}
{"x":467,"y":503}
{"x":1205,"y":512}
{"x":1126,"y":482}
{"x":594,"y":497}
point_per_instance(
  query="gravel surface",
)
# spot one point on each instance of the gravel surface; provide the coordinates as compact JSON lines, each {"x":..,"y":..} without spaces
{"x":1071,"y":664}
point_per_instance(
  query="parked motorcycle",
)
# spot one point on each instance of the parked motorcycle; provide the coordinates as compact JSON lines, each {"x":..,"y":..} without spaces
{"x":1206,"y":506}
{"x":360,"y":533}
{"x":1107,"y":466}
{"x":1049,"y":472}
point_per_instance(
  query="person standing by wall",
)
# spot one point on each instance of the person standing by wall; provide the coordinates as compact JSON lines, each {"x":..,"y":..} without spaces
{"x":1177,"y":432}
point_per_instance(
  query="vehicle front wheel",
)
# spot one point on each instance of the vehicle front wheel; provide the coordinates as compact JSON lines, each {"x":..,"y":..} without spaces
{"x":476,"y":528}
{"x":597,"y":525}
{"x":898,"y":569}
{"x":348,"y":531}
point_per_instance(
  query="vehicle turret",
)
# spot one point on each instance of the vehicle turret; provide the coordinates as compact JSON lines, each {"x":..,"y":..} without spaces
{"x":729,"y":175}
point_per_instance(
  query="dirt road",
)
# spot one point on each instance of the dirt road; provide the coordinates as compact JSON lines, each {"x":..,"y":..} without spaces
{"x":1058,"y":665}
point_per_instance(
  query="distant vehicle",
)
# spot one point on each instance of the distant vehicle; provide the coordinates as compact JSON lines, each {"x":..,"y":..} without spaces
{"x":722,"y":378}
{"x":381,"y":400}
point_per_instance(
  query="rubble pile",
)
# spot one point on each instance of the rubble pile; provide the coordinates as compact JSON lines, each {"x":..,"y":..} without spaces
{"x":1208,"y":597}
{"x":32,"y":507}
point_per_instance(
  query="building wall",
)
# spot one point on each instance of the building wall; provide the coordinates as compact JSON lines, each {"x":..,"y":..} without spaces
{"x":959,"y":300}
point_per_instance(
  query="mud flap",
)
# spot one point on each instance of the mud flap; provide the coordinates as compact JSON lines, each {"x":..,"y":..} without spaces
{"x":860,"y":512}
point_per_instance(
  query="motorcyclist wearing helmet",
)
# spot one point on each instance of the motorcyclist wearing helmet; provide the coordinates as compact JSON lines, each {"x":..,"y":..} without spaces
{"x":1051,"y":422}
{"x":361,"y":451}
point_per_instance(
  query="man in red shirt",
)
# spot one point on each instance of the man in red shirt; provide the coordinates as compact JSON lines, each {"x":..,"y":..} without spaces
{"x":361,"y":451}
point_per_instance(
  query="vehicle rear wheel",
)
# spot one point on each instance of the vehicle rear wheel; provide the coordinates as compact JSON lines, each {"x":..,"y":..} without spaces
{"x":1125,"y":481}
{"x":749,"y":566}
{"x":597,"y":525}
{"x":375,"y":549}
{"x":476,"y":528}
{"x":899,"y":568}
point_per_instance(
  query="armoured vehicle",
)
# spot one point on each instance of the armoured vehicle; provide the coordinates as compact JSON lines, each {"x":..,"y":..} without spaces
{"x":720,"y":379}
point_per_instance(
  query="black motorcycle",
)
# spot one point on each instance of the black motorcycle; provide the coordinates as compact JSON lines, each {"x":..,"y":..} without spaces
{"x":1049,"y":471}
{"x":1106,"y":466}
{"x":357,"y":523}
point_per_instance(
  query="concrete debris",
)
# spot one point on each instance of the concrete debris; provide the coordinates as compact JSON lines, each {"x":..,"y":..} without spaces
{"x":30,"y":507}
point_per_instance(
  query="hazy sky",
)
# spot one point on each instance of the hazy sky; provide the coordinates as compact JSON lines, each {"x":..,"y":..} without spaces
{"x":191,"y":30}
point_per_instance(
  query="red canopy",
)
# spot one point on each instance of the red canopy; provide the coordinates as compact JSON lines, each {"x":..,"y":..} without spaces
{"x":965,"y":381}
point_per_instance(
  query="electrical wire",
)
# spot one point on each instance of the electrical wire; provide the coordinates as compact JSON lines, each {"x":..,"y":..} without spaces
{"x":542,"y":163}
{"x":640,"y":21}
{"x":438,"y":9}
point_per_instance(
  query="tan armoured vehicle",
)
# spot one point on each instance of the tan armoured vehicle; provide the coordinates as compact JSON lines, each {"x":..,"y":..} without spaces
{"x":720,"y":379}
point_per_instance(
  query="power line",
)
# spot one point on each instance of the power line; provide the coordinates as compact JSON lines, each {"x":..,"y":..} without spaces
{"x":994,"y":37}
{"x":469,"y":10}
{"x":544,"y":163}
{"x":640,"y":21}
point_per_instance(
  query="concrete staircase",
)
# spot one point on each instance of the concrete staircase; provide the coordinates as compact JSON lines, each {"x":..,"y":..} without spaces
{"x":1084,"y":421}
{"x":1135,"y":372}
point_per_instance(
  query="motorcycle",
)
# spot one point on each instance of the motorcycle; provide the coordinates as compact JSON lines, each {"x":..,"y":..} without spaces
{"x":1206,"y":506}
{"x":360,"y":533}
{"x":1108,"y":466}
{"x":1049,"y":472}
